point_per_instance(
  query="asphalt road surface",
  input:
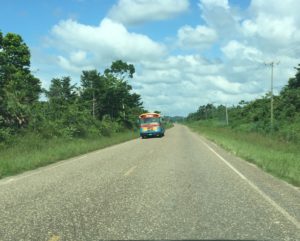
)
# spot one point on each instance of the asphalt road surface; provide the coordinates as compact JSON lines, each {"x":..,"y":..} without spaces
{"x":178,"y":187}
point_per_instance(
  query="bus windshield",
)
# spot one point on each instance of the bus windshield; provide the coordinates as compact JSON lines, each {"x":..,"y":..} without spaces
{"x":149,"y":120}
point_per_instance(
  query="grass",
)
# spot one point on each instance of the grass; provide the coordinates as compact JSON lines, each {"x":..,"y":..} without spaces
{"x":32,"y":152}
{"x":281,"y":159}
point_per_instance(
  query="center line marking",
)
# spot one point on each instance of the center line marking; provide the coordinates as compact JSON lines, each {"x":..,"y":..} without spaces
{"x":54,"y":238}
{"x":130,"y":171}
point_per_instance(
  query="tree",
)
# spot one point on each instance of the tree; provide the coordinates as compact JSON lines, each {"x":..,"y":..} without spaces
{"x":110,"y":94}
{"x":127,"y":104}
{"x":93,"y":89}
{"x":61,"y":91}
{"x":121,"y":69}
{"x":61,"y":95}
{"x":65,"y":111}
{"x":289,"y":104}
{"x":19,"y":89}
{"x":294,"y":83}
{"x":15,"y":51}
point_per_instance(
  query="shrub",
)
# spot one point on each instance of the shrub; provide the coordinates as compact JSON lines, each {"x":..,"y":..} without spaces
{"x":5,"y":135}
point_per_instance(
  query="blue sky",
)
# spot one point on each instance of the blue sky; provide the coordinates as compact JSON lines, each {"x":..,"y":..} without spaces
{"x":186,"y":52}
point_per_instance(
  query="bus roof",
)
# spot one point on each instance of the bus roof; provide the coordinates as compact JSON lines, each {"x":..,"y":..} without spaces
{"x":149,"y":115}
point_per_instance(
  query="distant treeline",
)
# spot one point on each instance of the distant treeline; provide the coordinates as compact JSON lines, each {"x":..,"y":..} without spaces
{"x":102,"y":104}
{"x":255,"y":115}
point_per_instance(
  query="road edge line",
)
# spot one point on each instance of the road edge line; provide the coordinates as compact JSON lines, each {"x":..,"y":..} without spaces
{"x":251,"y":184}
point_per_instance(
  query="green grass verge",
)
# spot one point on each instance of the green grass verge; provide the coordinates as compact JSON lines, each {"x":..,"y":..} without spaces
{"x":281,"y":159}
{"x":169,"y":125}
{"x":31,"y":151}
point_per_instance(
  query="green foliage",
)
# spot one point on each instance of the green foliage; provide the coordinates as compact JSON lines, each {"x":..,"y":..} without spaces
{"x":102,"y":105}
{"x":5,"y":135}
{"x":14,"y":51}
{"x":19,"y":89}
{"x":294,"y":83}
{"x":254,"y":116}
{"x":273,"y":155}
{"x":110,"y":94}
{"x":72,"y":120}
{"x":108,"y":127}
{"x":32,"y":150}
{"x":61,"y":92}
{"x":92,"y":92}
{"x":121,"y":69}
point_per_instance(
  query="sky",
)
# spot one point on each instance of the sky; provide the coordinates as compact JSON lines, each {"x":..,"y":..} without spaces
{"x":186,"y":53}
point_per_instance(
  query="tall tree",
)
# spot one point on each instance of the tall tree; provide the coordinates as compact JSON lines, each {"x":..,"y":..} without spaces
{"x":294,"y":82}
{"x":93,"y":88}
{"x":61,"y":95}
{"x":18,"y":87}
{"x":289,"y":105}
{"x":121,"y":69}
{"x":110,"y":94}
{"x":61,"y":92}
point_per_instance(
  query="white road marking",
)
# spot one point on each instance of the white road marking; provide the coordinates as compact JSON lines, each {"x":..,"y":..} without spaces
{"x":54,"y":165}
{"x":9,"y":180}
{"x":130,"y":171}
{"x":251,"y":184}
{"x":54,"y":238}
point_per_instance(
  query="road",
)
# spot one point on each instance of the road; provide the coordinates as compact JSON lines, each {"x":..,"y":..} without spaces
{"x":178,"y":187}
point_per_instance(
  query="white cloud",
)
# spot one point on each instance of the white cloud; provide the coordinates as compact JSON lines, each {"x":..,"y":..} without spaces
{"x":271,"y":28}
{"x":276,"y":8}
{"x":78,"y":56}
{"x":102,"y":44}
{"x":199,"y":38}
{"x":219,"y":16}
{"x":237,"y":50}
{"x":177,"y":84}
{"x":224,"y":85}
{"x":214,"y":3}
{"x":70,"y":66}
{"x":186,"y":64}
{"x":139,"y":11}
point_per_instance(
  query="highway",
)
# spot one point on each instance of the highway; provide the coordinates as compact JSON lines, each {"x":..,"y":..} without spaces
{"x":179,"y":187}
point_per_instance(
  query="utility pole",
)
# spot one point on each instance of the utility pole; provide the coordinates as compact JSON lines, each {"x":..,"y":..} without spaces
{"x":124,"y":113}
{"x":227,"y":121}
{"x":93,"y":101}
{"x":93,"y":104}
{"x":272,"y":99}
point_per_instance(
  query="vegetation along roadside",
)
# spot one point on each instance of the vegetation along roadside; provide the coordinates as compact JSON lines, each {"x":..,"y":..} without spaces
{"x":275,"y":156}
{"x":33,"y":152}
{"x":39,"y":126}
{"x":248,"y":131}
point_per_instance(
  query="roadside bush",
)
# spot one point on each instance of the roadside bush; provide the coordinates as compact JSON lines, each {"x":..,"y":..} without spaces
{"x":5,"y":135}
{"x":108,"y":127}
{"x":290,"y":132}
